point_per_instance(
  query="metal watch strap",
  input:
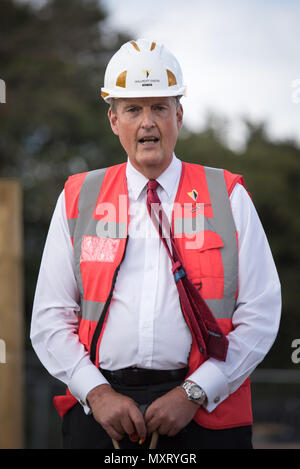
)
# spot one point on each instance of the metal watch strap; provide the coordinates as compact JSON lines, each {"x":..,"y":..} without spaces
{"x":188,"y":387}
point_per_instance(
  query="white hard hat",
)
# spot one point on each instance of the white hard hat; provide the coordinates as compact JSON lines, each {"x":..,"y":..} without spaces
{"x":142,"y":68}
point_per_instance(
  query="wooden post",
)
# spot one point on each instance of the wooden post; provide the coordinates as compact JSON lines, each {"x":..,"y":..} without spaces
{"x":11,"y":315}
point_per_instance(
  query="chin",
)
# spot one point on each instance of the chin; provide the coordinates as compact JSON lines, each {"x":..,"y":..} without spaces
{"x":150,"y":159}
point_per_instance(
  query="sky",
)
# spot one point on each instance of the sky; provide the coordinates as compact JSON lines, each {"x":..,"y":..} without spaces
{"x":240,"y":58}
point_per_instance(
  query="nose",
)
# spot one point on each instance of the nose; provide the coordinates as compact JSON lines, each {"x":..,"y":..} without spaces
{"x":147,"y":119}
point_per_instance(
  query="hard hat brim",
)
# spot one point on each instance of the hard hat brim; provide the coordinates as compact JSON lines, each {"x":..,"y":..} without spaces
{"x":107,"y":94}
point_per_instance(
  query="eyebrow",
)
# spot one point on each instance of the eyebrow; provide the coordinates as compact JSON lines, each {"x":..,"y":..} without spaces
{"x":127,"y":106}
{"x":156,"y":103}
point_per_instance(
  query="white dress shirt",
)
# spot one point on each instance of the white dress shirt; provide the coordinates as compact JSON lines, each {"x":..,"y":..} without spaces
{"x":145,"y":326}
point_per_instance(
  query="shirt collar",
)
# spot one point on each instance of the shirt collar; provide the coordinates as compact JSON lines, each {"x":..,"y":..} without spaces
{"x":168,"y":179}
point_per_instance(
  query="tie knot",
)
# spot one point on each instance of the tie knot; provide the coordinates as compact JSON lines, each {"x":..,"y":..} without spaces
{"x":152,"y":184}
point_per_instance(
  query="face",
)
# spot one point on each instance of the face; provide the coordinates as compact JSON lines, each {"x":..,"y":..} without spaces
{"x":148,"y":130}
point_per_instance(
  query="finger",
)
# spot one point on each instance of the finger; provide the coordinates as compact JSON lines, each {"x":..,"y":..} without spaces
{"x":173,"y":431}
{"x":152,"y":425}
{"x":138,"y":422}
{"x":164,"y":428}
{"x":127,"y":425}
{"x":134,"y":437}
{"x":149,"y":414}
{"x":114,"y":434}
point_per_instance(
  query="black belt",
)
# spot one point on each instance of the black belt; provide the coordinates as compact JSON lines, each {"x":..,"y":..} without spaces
{"x":142,"y":376}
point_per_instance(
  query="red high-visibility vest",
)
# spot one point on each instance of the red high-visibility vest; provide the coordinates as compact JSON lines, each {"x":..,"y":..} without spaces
{"x":205,"y":234}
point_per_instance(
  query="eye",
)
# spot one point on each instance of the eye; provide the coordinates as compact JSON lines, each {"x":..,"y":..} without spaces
{"x":132,"y":109}
{"x":159,"y":107}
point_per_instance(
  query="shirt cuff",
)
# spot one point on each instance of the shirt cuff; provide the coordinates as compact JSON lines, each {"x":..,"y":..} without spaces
{"x":213,"y":382}
{"x":83,"y":381}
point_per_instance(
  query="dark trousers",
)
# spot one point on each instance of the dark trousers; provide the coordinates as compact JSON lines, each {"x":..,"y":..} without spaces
{"x":81,"y":431}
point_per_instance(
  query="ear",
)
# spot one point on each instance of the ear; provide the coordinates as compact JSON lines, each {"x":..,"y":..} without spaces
{"x":179,"y":116}
{"x":113,"y":119}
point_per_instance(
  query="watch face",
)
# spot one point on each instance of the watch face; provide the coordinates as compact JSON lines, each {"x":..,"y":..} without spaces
{"x":196,"y":392}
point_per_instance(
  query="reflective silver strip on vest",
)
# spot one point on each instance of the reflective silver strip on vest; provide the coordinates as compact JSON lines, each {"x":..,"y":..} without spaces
{"x":190,"y":226}
{"x":111,"y":229}
{"x":224,"y":225}
{"x":91,"y":310}
{"x":86,"y":225}
{"x":72,"y":225}
{"x":101,"y":229}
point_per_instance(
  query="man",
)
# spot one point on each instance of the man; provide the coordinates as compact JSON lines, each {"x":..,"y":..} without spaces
{"x":111,"y":315}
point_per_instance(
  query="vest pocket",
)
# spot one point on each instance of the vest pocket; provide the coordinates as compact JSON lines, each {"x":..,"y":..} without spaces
{"x":205,"y":260}
{"x":205,"y":266}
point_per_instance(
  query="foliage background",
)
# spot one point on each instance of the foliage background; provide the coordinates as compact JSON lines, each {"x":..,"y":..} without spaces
{"x":54,"y":124}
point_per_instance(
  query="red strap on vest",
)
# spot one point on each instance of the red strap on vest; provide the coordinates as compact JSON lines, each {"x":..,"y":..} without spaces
{"x":210,"y":338}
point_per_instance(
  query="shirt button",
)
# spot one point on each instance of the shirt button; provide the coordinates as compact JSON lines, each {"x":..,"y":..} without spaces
{"x":216,"y":399}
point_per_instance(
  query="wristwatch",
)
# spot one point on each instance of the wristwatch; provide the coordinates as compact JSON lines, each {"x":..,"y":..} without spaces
{"x":194,"y":392}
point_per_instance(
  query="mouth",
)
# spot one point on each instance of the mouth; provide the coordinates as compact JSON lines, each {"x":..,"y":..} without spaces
{"x":148,"y":141}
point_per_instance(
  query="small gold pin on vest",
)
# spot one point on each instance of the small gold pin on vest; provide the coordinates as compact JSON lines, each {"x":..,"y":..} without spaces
{"x":193,"y":194}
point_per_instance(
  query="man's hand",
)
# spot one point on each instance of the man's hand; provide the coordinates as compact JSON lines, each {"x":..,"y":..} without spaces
{"x":170,"y":413}
{"x":118,"y":414}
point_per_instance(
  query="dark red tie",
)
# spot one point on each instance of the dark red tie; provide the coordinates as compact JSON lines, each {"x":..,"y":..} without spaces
{"x":210,"y":338}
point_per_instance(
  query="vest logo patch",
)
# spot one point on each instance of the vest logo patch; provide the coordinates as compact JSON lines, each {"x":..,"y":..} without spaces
{"x":94,"y":249}
{"x":193,"y":194}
